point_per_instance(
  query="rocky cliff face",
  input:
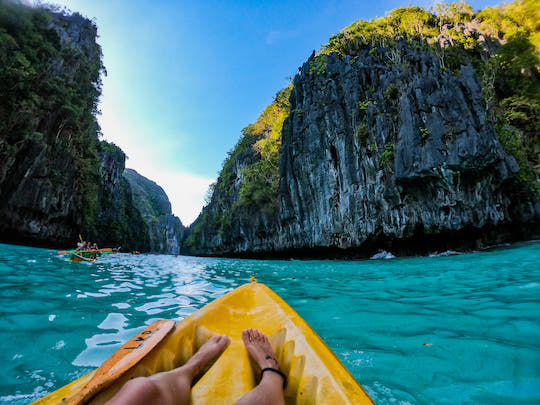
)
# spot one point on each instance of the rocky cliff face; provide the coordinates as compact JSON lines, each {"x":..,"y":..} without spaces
{"x":384,"y":149}
{"x":57,"y":180}
{"x":49,"y":86}
{"x":37,"y":202}
{"x":227,"y":222}
{"x":244,"y":206}
{"x":396,"y":153}
{"x":118,"y":222}
{"x":165,"y":231}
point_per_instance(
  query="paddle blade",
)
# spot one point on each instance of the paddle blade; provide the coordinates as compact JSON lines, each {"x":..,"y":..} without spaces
{"x":123,"y":359}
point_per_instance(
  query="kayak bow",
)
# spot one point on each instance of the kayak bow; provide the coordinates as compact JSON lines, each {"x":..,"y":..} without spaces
{"x":315,"y":375}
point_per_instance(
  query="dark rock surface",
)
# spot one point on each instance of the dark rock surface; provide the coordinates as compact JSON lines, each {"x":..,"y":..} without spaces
{"x":41,"y":198}
{"x":384,"y":150}
{"x":118,"y":221}
{"x":38,"y":202}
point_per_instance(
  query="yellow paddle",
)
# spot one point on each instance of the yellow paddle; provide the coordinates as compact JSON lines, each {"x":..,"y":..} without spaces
{"x":123,"y":359}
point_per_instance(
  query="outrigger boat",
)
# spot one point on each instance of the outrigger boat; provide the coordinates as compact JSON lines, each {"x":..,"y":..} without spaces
{"x":83,"y":256}
{"x":87,"y":255}
{"x":314,"y":373}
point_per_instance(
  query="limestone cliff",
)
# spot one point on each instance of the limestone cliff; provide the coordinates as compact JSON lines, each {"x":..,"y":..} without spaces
{"x":381,"y":156}
{"x":165,"y":230}
{"x":118,"y":222}
{"x":243,"y":209}
{"x":385,"y":147}
{"x":57,"y":180}
{"x":49,"y":88}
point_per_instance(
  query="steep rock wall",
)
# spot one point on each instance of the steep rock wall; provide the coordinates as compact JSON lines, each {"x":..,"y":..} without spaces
{"x":226,"y":225}
{"x":381,"y":150}
{"x":49,"y":87}
{"x":118,"y":222}
{"x":244,"y":205}
{"x":57,"y":180}
{"x":37,"y":202}
{"x":382,"y":153}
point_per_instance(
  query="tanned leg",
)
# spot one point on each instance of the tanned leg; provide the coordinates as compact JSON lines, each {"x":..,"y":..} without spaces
{"x":170,"y":387}
{"x":270,"y":389}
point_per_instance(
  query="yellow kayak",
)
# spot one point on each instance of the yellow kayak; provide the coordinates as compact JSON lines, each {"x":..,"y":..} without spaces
{"x":314,"y":373}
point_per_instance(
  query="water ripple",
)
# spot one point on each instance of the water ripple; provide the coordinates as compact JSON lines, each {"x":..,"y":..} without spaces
{"x":446,"y":329}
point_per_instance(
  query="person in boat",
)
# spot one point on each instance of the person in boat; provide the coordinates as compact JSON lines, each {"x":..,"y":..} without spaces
{"x":96,"y":250}
{"x":80,"y":245}
{"x":173,"y":387}
{"x":90,"y":248}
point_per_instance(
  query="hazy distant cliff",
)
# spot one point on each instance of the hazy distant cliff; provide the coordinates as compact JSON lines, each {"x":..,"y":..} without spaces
{"x":164,"y":229}
{"x":388,"y":141}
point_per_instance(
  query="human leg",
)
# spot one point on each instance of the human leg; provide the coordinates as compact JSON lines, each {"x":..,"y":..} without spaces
{"x":270,"y":389}
{"x":170,"y":387}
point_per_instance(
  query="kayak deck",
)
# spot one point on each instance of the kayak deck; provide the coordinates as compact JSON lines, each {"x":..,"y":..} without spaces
{"x":315,"y":375}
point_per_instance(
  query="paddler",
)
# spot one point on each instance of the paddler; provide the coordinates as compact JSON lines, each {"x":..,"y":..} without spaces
{"x":80,"y":245}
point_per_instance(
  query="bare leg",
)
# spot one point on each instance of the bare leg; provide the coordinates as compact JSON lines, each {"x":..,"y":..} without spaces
{"x":170,"y":387}
{"x":270,"y":389}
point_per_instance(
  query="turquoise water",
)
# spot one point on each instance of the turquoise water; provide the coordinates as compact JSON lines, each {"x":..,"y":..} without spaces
{"x":434,"y":330}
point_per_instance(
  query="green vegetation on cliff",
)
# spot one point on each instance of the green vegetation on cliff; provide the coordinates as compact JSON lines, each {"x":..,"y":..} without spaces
{"x":57,"y":179}
{"x":248,"y":183}
{"x":260,"y":179}
{"x":149,"y":198}
{"x":165,"y":231}
{"x":260,"y":186}
{"x":49,"y":89}
{"x":47,"y":82}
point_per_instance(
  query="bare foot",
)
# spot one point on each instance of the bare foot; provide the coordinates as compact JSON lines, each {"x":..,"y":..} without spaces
{"x":207,"y":353}
{"x":259,"y":347}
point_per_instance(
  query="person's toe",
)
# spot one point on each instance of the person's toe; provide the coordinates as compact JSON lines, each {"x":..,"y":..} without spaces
{"x":245,"y":336}
{"x":224,"y":339}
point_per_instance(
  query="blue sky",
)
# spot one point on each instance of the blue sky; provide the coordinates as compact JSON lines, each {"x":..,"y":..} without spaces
{"x":184,"y":77}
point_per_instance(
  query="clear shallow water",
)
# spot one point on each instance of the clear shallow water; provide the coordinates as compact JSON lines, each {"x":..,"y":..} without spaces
{"x":436,"y":330}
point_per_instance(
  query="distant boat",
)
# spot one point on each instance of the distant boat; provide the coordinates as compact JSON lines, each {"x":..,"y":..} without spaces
{"x":103,"y":250}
